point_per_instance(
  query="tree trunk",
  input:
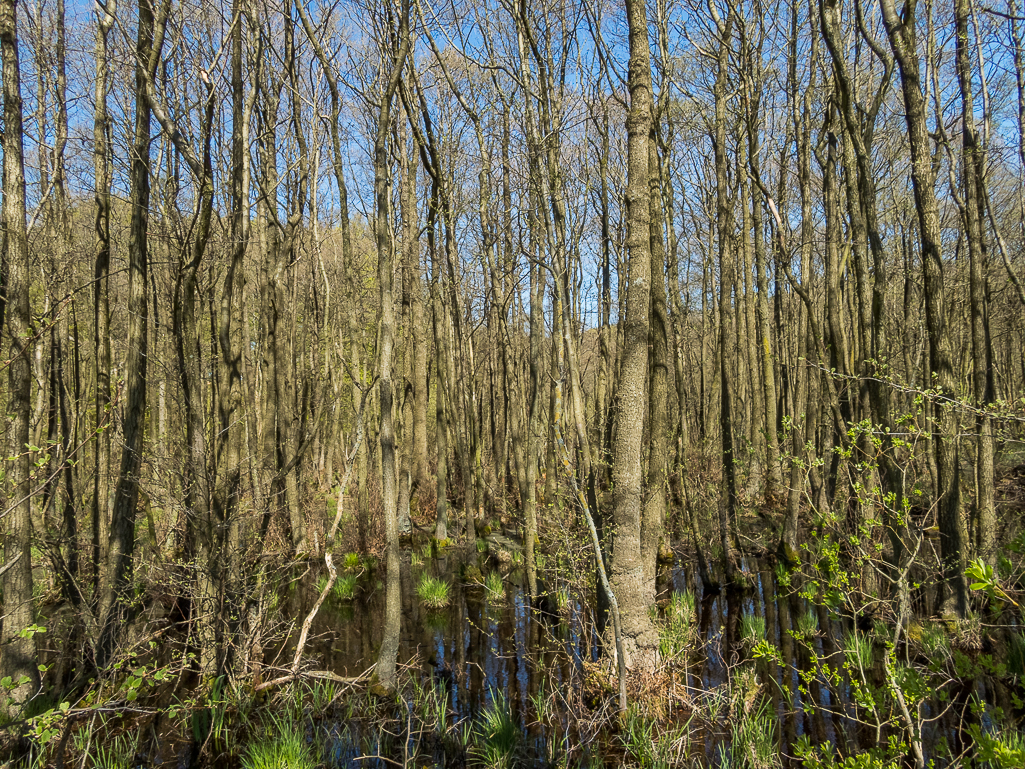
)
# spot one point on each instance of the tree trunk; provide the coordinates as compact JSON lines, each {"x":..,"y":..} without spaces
{"x":17,"y":639}
{"x":901,"y":31}
{"x":385,"y":237}
{"x":973,"y":177}
{"x":628,"y":583}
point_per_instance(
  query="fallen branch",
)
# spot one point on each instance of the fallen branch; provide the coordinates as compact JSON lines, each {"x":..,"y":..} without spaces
{"x":325,"y":675}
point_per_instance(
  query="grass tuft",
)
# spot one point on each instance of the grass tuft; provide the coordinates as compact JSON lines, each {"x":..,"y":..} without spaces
{"x":350,"y":562}
{"x":676,"y":631}
{"x":752,"y":628}
{"x":284,"y":746}
{"x":858,"y":650}
{"x":494,"y":588}
{"x":808,"y":624}
{"x":754,"y":741}
{"x":496,"y":735}
{"x":345,"y":587}
{"x":433,"y":592}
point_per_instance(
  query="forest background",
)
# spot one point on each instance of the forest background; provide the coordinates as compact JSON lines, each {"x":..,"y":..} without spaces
{"x":439,"y":264}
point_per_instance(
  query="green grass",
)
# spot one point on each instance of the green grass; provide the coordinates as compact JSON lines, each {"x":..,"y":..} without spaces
{"x":496,"y":736}
{"x":415,"y":559}
{"x":350,"y":562}
{"x":562,"y":600}
{"x":858,"y":650}
{"x":345,"y":587}
{"x":284,"y":746}
{"x":808,"y":624}
{"x":433,"y":592}
{"x":651,"y":745}
{"x":677,"y":628}
{"x":106,"y":752}
{"x":494,"y":588}
{"x":752,"y":628}
{"x":482,"y":546}
{"x":430,"y":704}
{"x":754,"y":741}
{"x":321,"y":695}
{"x":936,"y":643}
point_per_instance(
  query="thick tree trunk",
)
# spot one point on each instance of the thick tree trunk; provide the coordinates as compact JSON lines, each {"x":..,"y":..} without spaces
{"x":385,"y":237}
{"x":628,"y":578}
{"x":17,"y":640}
{"x":901,"y":30}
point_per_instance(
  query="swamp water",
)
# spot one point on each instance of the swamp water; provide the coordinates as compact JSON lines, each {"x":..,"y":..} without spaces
{"x":489,"y":682}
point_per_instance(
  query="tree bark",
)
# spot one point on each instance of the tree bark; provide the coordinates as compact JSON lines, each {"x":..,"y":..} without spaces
{"x":17,"y":640}
{"x":628,"y":578}
{"x":901,"y":30}
{"x":385,"y":237}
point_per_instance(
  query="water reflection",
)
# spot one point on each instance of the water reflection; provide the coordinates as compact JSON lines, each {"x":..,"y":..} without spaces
{"x":476,"y":649}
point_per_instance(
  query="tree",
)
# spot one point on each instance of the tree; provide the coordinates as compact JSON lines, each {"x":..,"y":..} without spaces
{"x":18,"y":636}
{"x":385,"y":670}
{"x":627,"y":564}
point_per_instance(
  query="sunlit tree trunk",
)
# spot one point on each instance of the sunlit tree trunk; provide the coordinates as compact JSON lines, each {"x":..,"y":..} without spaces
{"x":101,"y":302}
{"x":627,"y":562}
{"x":901,"y":30}
{"x":973,"y":165}
{"x":17,"y":640}
{"x":385,"y":241}
{"x":117,"y":596}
